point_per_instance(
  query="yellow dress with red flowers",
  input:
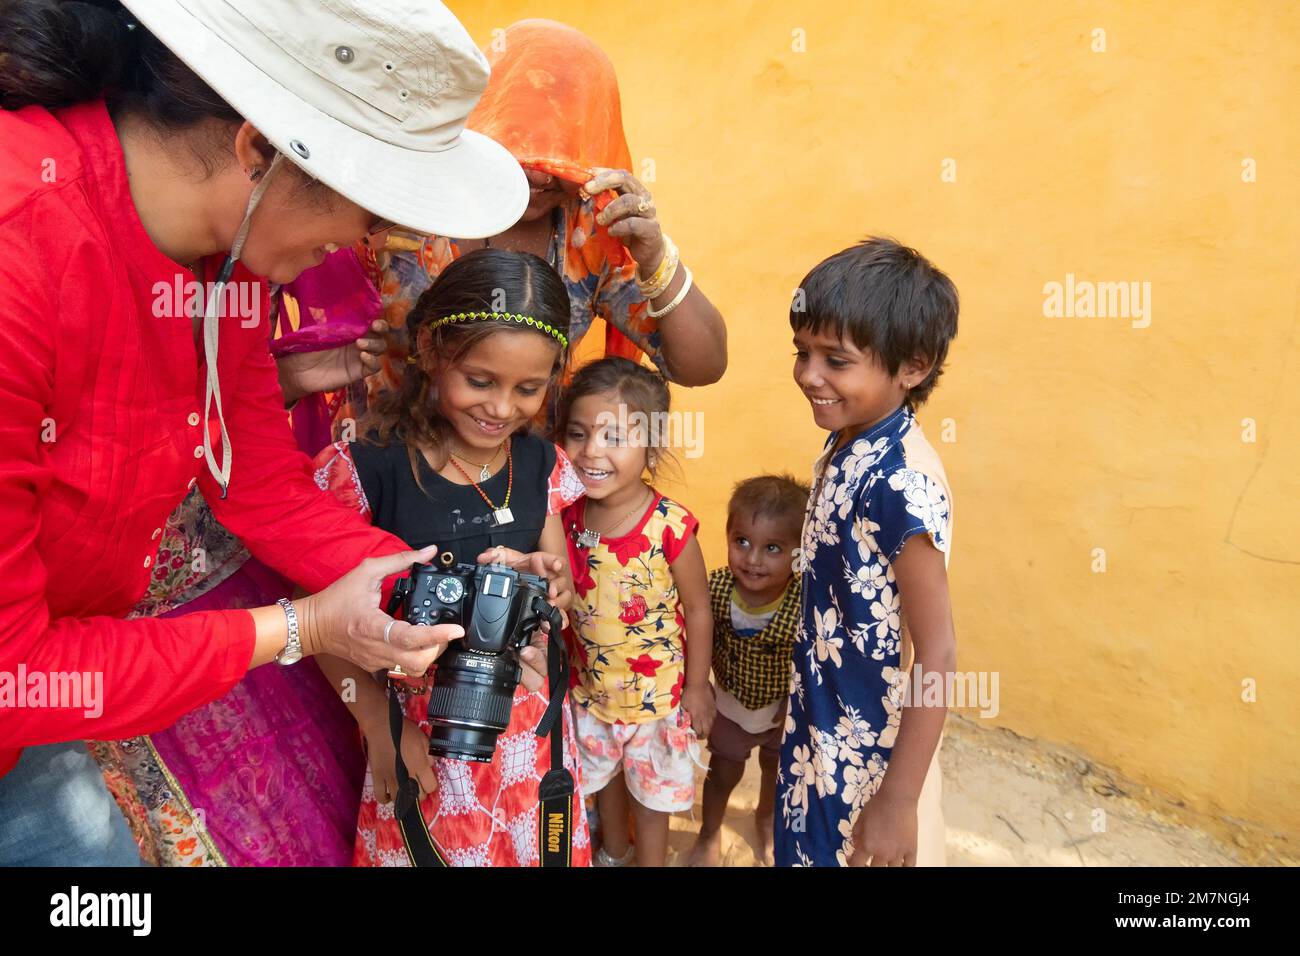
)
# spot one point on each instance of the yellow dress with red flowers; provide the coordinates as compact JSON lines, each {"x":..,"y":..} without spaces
{"x":628,"y":638}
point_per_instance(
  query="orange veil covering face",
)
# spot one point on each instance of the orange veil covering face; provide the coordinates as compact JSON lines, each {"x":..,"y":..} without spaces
{"x":553,"y":102}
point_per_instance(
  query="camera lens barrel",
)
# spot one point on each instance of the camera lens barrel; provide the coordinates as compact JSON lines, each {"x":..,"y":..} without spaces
{"x":470,"y":704}
{"x":474,"y":687}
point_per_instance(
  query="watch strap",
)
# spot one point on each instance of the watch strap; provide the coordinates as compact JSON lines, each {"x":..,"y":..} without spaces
{"x":292,"y":652}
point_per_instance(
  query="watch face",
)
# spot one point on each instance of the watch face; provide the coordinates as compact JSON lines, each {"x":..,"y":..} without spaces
{"x":449,"y":590}
{"x":288,"y":657}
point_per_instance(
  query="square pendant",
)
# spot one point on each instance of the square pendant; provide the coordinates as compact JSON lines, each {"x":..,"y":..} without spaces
{"x":502,"y":516}
{"x":588,"y":539}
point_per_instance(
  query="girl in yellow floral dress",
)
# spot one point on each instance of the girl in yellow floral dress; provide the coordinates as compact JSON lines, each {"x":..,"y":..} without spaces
{"x":642,"y":698}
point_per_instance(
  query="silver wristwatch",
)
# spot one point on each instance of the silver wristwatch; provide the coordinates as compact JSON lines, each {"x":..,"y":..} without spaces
{"x":292,"y":652}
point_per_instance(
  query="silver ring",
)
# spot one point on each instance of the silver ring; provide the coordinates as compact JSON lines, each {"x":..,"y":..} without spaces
{"x":388,"y":627}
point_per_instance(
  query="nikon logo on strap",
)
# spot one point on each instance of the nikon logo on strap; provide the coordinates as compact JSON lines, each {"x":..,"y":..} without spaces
{"x":554,"y":831}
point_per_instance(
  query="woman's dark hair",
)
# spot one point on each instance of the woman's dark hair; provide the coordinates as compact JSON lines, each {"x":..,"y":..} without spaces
{"x":643,"y":391}
{"x":55,"y":53}
{"x":885,"y":298}
{"x":485,"y":280}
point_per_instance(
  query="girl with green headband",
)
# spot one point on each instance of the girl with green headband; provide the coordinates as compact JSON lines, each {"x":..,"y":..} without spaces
{"x":451,"y":459}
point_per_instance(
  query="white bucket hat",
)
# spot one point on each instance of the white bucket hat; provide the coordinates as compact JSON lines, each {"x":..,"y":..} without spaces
{"x":368,"y":96}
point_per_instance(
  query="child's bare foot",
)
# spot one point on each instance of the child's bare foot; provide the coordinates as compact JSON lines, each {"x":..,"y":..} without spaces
{"x":707,"y":850}
{"x":763,"y":823}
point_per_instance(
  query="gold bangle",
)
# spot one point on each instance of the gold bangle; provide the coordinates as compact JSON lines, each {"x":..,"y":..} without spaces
{"x":656,"y":285}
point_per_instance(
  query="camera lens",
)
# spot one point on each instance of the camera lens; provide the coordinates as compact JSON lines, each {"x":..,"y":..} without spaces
{"x":470,"y":704}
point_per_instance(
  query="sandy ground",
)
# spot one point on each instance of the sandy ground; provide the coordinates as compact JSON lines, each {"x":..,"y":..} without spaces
{"x":1011,"y":801}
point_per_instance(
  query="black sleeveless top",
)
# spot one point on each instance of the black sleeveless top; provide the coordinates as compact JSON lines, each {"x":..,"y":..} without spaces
{"x":452,"y":516}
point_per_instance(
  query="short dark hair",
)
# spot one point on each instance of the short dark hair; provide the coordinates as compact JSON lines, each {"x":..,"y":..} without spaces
{"x":779,"y":497}
{"x":887,"y":299}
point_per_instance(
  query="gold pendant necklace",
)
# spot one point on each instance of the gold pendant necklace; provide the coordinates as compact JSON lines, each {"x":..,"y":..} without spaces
{"x":485,"y":470}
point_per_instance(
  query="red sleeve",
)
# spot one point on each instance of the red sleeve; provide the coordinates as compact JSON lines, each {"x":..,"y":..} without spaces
{"x":672,"y":544}
{"x":144,"y":673}
{"x":274,"y":505}
{"x":564,"y":487}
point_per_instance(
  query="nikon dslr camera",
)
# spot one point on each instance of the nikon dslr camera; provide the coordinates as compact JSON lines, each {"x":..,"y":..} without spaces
{"x":475,"y":678}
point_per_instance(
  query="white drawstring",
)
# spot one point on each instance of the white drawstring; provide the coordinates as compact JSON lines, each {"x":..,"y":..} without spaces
{"x":211,"y":314}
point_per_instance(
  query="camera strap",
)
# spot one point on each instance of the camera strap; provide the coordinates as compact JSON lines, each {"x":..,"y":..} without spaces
{"x":555,"y":792}
{"x":555,"y":815}
{"x":406,"y":804}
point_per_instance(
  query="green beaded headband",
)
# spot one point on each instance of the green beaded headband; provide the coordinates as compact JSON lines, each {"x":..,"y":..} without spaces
{"x":538,"y":324}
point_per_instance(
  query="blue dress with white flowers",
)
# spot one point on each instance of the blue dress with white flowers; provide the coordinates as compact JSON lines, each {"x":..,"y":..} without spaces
{"x":846,"y":689}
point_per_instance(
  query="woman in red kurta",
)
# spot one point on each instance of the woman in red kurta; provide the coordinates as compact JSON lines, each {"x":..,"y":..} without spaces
{"x":122,"y":389}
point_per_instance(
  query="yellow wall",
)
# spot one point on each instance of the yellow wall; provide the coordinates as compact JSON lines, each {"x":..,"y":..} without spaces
{"x":1071,"y":433}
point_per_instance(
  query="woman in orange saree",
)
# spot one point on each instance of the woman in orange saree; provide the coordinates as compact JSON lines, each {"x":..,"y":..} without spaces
{"x":553,"y":101}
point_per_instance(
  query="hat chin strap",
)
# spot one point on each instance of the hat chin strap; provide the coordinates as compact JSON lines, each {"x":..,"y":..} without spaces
{"x":212,"y":312}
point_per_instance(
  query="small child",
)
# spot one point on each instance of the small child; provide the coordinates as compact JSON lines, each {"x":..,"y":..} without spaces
{"x":871,"y":332}
{"x":756,"y":611}
{"x":641,"y":624}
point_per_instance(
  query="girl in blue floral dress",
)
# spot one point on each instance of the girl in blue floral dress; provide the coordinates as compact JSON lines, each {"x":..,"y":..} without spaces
{"x":871,"y":332}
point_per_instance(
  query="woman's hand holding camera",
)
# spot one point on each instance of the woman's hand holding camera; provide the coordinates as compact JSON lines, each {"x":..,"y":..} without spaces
{"x":345,"y":620}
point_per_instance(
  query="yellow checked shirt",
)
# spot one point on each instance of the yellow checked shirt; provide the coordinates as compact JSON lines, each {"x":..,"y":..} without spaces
{"x":754,"y":670}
